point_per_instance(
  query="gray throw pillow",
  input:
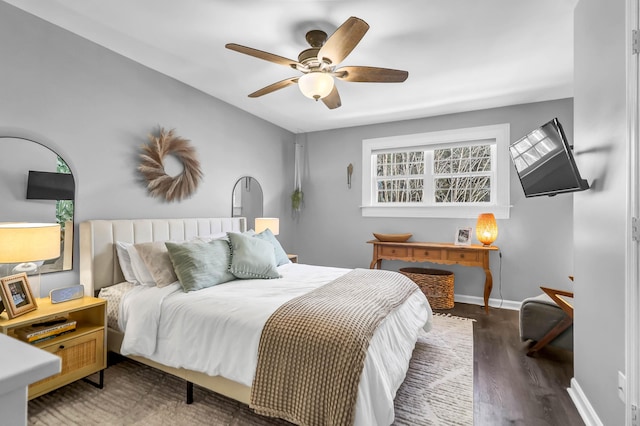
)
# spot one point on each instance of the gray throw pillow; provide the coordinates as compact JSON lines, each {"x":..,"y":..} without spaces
{"x":252,"y":257}
{"x":200,"y":265}
{"x":281,"y":255}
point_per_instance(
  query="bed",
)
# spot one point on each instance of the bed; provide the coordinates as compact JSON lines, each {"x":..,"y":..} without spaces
{"x":242,"y":308}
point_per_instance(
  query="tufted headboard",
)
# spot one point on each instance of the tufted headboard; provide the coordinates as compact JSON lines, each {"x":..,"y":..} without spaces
{"x":99,"y":265}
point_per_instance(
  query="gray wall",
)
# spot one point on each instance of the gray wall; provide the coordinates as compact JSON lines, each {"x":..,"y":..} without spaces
{"x":600,"y":214}
{"x":96,"y":108}
{"x":536,"y":242}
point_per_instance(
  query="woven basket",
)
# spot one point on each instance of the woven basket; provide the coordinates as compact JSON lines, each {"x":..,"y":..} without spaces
{"x":436,"y":284}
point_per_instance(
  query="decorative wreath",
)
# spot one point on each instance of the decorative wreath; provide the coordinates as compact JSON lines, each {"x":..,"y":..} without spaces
{"x":159,"y":183}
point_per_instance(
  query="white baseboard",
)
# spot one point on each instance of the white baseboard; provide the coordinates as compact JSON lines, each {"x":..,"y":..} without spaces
{"x":588,"y":414}
{"x":494,"y":303}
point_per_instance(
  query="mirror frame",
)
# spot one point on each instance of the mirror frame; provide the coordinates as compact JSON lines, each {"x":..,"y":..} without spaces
{"x":68,"y":237}
{"x":250,"y":180}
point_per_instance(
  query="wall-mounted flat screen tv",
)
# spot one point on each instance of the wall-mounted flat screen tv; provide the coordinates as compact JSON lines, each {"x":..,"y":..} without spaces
{"x":545,"y":163}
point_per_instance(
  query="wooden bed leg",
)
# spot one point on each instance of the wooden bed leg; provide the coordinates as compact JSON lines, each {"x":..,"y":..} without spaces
{"x":189,"y":392}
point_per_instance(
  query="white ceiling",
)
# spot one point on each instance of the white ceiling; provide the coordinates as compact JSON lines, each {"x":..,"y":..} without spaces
{"x":461,"y":55}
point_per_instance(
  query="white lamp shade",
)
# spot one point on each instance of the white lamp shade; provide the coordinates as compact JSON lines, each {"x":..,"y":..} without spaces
{"x":29,"y":242}
{"x":273,"y":223}
{"x":316,"y":85}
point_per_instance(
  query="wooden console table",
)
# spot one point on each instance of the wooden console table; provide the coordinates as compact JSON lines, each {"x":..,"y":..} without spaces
{"x":443,"y":253}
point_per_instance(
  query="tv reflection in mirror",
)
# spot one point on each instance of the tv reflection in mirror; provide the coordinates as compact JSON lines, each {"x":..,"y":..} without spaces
{"x":50,"y":186}
{"x":545,"y":163}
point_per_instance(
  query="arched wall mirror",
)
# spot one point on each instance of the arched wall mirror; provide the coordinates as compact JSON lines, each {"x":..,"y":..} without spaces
{"x":38,"y":186}
{"x":247,"y":200}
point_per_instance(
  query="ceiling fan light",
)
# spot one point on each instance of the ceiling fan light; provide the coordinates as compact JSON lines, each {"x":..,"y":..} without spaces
{"x":316,"y":85}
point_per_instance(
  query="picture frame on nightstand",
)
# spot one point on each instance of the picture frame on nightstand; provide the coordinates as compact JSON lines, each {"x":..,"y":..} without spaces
{"x":16,"y":294}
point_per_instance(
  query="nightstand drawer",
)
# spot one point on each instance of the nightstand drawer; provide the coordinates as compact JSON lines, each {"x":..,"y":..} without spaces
{"x":395,"y":251}
{"x":81,"y":356}
{"x":462,"y":255}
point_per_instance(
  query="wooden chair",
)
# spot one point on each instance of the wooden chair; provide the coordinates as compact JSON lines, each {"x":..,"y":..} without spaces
{"x":563,"y":319}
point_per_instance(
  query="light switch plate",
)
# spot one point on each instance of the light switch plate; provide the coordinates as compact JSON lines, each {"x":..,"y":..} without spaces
{"x":66,"y":293}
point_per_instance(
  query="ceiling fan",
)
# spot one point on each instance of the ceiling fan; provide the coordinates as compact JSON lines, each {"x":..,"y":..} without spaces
{"x":318,"y":64}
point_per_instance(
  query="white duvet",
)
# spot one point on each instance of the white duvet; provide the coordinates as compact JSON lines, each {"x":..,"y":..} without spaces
{"x":217,"y":331}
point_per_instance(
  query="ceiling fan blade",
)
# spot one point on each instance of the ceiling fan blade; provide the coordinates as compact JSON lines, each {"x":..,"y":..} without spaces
{"x":342,"y":42}
{"x":273,"y":87}
{"x":332,"y":100}
{"x":371,"y":74}
{"x":281,"y":60}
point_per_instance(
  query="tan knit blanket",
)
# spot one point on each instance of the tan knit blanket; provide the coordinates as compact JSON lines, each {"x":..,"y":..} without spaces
{"x":312,"y":348}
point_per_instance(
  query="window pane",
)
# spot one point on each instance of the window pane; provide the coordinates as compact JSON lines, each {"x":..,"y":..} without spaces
{"x":400,"y":163}
{"x":471,"y":159}
{"x":479,"y":151}
{"x":441,"y":154}
{"x":415,"y":196}
{"x":483,"y":165}
{"x":520,"y":164}
{"x":531,"y":156}
{"x":537,"y":135}
{"x":443,"y":196}
{"x":417,"y":169}
{"x":476,"y":189}
{"x":440,"y":167}
{"x":464,"y":166}
{"x":545,"y":146}
{"x":394,"y":169}
{"x":522,"y":146}
{"x":415,"y":183}
{"x":399,"y":190}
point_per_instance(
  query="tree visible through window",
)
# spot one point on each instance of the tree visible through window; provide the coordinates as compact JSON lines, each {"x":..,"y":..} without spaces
{"x":451,"y":173}
{"x":400,"y":177}
{"x":460,"y":174}
{"x":463,"y":174}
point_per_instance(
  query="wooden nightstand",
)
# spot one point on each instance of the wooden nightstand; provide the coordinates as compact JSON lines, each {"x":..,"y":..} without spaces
{"x":83,"y":351}
{"x":293,"y":258}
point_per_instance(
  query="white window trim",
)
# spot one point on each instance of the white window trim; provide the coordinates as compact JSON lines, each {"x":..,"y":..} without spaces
{"x":498,"y":132}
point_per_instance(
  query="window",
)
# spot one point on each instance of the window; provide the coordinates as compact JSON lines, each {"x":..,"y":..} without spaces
{"x":454,"y":173}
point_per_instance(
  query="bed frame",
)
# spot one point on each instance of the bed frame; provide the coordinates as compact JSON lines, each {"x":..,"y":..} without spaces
{"x":99,"y":268}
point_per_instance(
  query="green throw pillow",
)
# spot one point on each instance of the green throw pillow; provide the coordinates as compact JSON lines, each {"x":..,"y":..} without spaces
{"x":281,"y":255}
{"x":200,"y":265}
{"x":252,"y":257}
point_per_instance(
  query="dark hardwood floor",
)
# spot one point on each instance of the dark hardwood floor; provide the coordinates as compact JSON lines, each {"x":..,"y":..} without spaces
{"x":511,"y":388}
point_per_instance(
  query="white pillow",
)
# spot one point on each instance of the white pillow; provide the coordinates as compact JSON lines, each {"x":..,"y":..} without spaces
{"x":211,"y":237}
{"x":125,"y":262}
{"x":143,"y":276}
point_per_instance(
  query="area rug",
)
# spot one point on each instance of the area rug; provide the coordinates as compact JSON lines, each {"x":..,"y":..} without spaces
{"x":438,"y":390}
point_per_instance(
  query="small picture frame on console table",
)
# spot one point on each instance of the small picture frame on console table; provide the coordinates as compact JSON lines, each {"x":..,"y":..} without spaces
{"x":463,"y":237}
{"x":16,"y":294}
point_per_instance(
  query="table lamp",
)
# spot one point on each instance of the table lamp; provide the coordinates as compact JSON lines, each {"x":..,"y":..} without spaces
{"x":29,"y":242}
{"x":272,"y":223}
{"x":486,"y":228}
